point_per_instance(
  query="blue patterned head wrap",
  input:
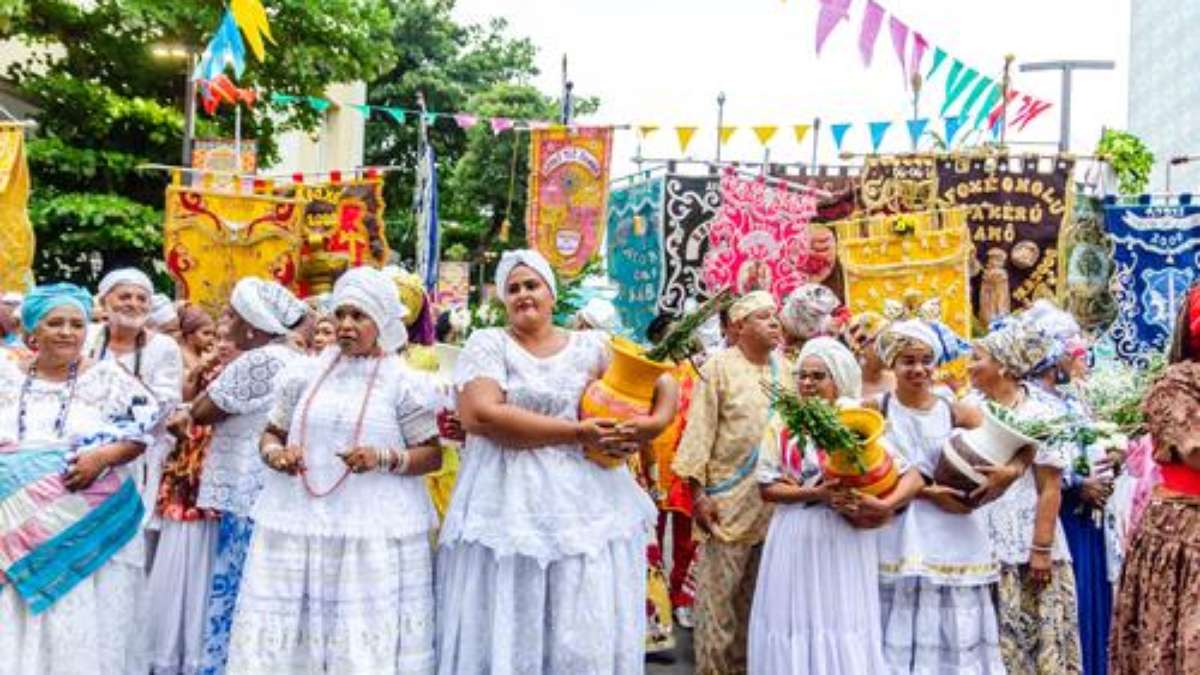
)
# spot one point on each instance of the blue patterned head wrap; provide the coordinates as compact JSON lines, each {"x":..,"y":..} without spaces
{"x":42,"y":299}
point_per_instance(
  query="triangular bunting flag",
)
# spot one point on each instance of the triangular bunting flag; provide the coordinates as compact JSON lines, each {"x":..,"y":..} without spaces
{"x":1030,"y":108}
{"x":920,"y":44}
{"x":765,"y":133}
{"x":989,"y":104}
{"x":916,"y":128}
{"x":684,"y":134}
{"x":872,"y":19}
{"x":939,"y":55}
{"x":957,"y":82}
{"x":362,"y":108}
{"x":465,"y":121}
{"x":998,"y":111}
{"x":801,"y":130}
{"x":839,"y":133}
{"x":725,"y":133}
{"x":646,"y":129}
{"x":952,"y":126}
{"x":431,"y":117}
{"x":899,"y":31}
{"x":397,"y":114}
{"x":501,"y":124}
{"x":980,"y":87}
{"x":319,"y":104}
{"x":832,"y":13}
{"x":283,"y":99}
{"x":252,"y":19}
{"x":878,"y":130}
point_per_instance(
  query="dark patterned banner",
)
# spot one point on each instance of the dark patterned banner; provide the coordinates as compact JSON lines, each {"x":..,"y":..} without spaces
{"x":635,"y":252}
{"x":1016,"y":207}
{"x":898,"y":184}
{"x":690,"y":207}
{"x":1156,"y":256}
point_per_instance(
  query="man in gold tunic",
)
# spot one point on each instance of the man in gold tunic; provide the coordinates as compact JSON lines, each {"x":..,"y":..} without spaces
{"x":717,"y":455}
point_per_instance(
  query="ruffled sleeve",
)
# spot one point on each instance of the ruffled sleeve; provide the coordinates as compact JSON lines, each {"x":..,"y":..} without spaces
{"x":245,"y":385}
{"x":417,"y":421}
{"x":291,"y":385}
{"x":483,"y":357}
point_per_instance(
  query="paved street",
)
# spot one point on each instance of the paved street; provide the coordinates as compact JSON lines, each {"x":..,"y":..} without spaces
{"x":659,"y":664}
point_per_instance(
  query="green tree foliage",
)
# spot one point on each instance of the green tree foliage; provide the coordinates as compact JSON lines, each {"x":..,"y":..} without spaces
{"x":1129,"y":157}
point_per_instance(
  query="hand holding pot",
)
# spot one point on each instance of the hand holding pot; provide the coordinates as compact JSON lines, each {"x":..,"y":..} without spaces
{"x":998,"y":480}
{"x":947,"y":499}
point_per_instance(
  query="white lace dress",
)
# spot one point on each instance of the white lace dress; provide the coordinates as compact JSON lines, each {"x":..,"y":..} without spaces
{"x":341,"y":583}
{"x":96,"y":629}
{"x":542,"y":564}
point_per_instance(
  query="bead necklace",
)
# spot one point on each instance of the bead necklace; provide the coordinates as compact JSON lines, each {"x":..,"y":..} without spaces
{"x":139,"y":342}
{"x":357,"y":425}
{"x":64,"y":403}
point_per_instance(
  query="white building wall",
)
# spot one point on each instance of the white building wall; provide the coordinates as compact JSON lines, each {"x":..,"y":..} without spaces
{"x":338,"y":144}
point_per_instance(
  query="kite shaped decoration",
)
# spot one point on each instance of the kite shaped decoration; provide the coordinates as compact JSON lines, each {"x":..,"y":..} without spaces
{"x":252,"y":19}
{"x":226,"y":48}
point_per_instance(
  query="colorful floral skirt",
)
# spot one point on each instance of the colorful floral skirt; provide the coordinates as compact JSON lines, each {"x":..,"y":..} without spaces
{"x":1039,"y":629}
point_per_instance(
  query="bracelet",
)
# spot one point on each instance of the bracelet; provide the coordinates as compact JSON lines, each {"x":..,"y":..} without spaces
{"x":383,"y":460}
{"x":401,"y":465}
{"x":1049,"y":548}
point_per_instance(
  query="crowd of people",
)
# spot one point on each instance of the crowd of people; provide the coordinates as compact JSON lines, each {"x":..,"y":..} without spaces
{"x":316,"y":497}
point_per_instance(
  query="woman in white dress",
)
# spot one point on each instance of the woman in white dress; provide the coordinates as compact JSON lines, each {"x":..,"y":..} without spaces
{"x":339,"y":578}
{"x":542,"y":560}
{"x":814,"y":558}
{"x":59,"y":397}
{"x":937,"y":568}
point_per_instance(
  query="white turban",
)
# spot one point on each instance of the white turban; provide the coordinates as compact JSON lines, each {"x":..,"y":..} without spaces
{"x":162,"y":310}
{"x":808,"y":311}
{"x":751,"y":303}
{"x":897,"y":335}
{"x":600,"y":313}
{"x":127,"y":275}
{"x":531,"y":259}
{"x":266,"y":305}
{"x":373,"y":293}
{"x":839,"y":361}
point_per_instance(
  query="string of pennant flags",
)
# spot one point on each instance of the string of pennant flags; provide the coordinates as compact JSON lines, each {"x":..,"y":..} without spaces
{"x":766,"y":134}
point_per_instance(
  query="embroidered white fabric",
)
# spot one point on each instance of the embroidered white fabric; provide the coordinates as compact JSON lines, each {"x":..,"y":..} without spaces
{"x":549,"y":502}
{"x":177,"y":595}
{"x":932,"y":629}
{"x":374,"y":505}
{"x":233,"y":471}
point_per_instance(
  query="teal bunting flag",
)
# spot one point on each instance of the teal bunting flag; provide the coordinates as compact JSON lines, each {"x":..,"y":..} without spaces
{"x":939,"y":55}
{"x":916,"y":128}
{"x":284,"y":99}
{"x":319,"y":104}
{"x":839,"y":133}
{"x":362,"y":108}
{"x":980,"y":86}
{"x":397,"y":114}
{"x":952,"y":126}
{"x":990,"y":102}
{"x":431,"y":117}
{"x":878,"y":131}
{"x":957,"y":81}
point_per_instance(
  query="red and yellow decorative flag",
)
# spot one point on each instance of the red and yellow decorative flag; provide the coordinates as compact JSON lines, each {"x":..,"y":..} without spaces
{"x":16,"y":233}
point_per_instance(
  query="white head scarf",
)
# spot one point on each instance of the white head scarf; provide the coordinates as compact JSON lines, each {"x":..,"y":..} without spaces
{"x":162,"y":310}
{"x":531,"y":259}
{"x":600,"y":314}
{"x":373,"y":293}
{"x":751,"y":303}
{"x":808,"y":311}
{"x":892,"y":340}
{"x":266,"y":305}
{"x":11,"y":298}
{"x":839,"y":361}
{"x":126,"y":275}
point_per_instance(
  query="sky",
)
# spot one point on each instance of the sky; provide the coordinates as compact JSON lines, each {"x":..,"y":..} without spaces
{"x":665,"y":61}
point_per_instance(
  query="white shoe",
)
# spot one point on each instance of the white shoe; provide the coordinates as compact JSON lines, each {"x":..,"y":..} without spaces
{"x":683,"y":617}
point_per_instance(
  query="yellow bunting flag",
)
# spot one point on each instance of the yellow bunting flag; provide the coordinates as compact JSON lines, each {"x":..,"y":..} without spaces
{"x":725,"y":133}
{"x":765,"y":133}
{"x":685,"y":137}
{"x":801,"y":131}
{"x":646,"y":129}
{"x":252,"y":19}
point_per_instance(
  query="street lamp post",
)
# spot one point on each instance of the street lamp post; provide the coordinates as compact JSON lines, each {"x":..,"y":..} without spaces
{"x":189,"y":58}
{"x":720,"y":122}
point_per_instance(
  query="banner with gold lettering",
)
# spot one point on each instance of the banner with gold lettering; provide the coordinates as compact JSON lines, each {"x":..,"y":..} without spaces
{"x":16,"y":233}
{"x":212,"y":239}
{"x":454,"y":283}
{"x":898,"y":184}
{"x":568,"y":194}
{"x":1016,"y":208}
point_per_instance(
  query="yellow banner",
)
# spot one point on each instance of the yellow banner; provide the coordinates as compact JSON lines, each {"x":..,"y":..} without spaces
{"x":685,"y":137}
{"x":16,"y":233}
{"x":765,"y":133}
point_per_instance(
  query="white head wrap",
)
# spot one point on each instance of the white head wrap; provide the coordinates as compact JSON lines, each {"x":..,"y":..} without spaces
{"x":372,"y":292}
{"x":600,"y":314}
{"x":266,"y":305}
{"x":808,"y":311}
{"x":751,"y":303}
{"x":839,"y":361}
{"x":126,"y":275}
{"x":531,"y":259}
{"x":162,"y":310}
{"x":893,"y":338}
{"x":11,"y":298}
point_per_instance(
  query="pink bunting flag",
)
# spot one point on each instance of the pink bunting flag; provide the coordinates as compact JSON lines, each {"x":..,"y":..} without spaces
{"x":501,"y":124}
{"x":998,"y":111}
{"x":1030,"y":108}
{"x":899,"y":31}
{"x":832,"y":13}
{"x":465,"y":121}
{"x":872,"y":20}
{"x":920,"y":44}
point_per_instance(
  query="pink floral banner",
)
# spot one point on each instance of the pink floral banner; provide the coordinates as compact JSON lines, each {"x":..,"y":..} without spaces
{"x":759,"y":238}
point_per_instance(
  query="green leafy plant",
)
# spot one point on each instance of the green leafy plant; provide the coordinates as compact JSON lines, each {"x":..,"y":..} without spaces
{"x":1129,"y":157}
{"x":676,"y":345}
{"x":817,"y":420}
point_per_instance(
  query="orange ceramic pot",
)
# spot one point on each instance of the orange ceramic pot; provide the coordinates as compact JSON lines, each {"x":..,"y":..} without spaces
{"x":626,"y":390}
{"x":880,"y":475}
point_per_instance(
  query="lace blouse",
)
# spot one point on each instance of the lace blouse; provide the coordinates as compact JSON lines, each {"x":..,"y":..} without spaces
{"x":548,"y":502}
{"x":368,"y":505}
{"x":232,"y":476}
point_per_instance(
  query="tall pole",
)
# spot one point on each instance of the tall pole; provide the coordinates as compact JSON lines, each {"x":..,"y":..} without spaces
{"x":568,"y":104}
{"x":816,"y":134}
{"x":1006,"y":86}
{"x":189,"y":109}
{"x":1066,"y":68}
{"x":720,"y":122}
{"x":916,"y":100}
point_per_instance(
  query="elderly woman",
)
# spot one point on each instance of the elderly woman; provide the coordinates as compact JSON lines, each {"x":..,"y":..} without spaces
{"x":937,"y":571}
{"x":1156,"y":627}
{"x":1039,"y":624}
{"x":814,"y":558}
{"x":71,"y":601}
{"x":339,"y":578}
{"x":808,"y":312}
{"x":542,"y":567}
{"x":236,"y":405}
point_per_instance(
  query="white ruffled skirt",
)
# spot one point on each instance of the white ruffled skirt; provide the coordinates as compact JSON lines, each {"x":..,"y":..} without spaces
{"x":344,"y":605}
{"x":578,"y":615}
{"x":939,"y":630}
{"x":178,"y":595}
{"x":816,"y":602}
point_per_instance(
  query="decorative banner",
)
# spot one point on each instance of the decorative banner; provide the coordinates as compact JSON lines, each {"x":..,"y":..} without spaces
{"x":823,"y":265}
{"x":759,"y":238}
{"x":635,"y":261}
{"x":957,"y":81}
{"x":898,"y":184}
{"x":212,"y":239}
{"x":426,"y":206}
{"x":832,"y":13}
{"x":689,"y":209}
{"x":1157,"y":257}
{"x":920,"y":44}
{"x":342,"y":226}
{"x":899,"y":32}
{"x":17,"y":241}
{"x":981,"y":85}
{"x":568,"y":193}
{"x":454,"y":284}
{"x":225,"y":49}
{"x":1017,"y":207}
{"x":220,"y":156}
{"x":1085,"y":265}
{"x":252,"y":19}
{"x":869,"y":31}
{"x":685,"y":137}
{"x":926,"y":253}
{"x":1030,"y":108}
